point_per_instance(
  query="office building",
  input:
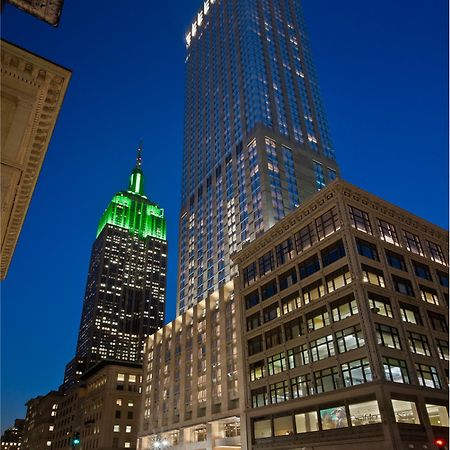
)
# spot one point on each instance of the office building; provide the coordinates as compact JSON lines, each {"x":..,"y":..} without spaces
{"x":101,"y":409}
{"x":345,"y":338}
{"x":40,"y":419}
{"x":256,"y":141}
{"x":339,"y":340}
{"x":125,"y":292}
{"x":32,"y":92}
{"x":191,"y":395}
{"x":12,"y":437}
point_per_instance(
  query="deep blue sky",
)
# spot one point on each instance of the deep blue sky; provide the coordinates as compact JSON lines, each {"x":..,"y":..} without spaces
{"x":382,"y":67}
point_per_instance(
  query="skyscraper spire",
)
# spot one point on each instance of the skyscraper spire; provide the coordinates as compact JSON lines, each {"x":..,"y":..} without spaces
{"x":139,"y":156}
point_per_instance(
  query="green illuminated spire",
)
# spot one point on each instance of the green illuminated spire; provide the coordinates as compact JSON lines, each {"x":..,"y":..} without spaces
{"x":133,"y":211}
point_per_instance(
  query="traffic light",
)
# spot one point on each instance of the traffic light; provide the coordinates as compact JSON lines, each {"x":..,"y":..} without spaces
{"x":76,"y":439}
{"x":440,"y":444}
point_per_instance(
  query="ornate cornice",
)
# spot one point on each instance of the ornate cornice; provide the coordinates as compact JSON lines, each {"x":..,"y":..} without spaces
{"x":47,"y":10}
{"x":321,"y":201}
{"x":24,"y":72}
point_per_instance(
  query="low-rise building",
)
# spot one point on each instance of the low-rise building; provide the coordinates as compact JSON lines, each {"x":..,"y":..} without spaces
{"x":12,"y":437}
{"x":101,"y":408}
{"x":345,"y":342}
{"x":191,"y":396}
{"x":39,"y":424}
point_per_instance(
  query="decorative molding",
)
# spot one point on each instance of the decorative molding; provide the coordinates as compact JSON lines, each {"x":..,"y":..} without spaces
{"x":47,"y":10}
{"x":321,"y":200}
{"x":23,"y":70}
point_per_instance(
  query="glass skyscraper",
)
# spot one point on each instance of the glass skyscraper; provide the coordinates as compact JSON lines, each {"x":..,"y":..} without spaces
{"x":125,"y":292}
{"x":256,"y":140}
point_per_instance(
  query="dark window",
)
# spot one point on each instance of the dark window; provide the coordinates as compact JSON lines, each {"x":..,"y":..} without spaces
{"x":253,"y":321}
{"x":273,"y":337}
{"x":305,"y":238}
{"x":266,"y":263}
{"x":413,"y":243}
{"x":395,"y":260}
{"x":367,"y":249}
{"x":360,"y":220}
{"x":395,"y":370}
{"x":255,"y":345}
{"x":259,"y":397}
{"x":387,"y":232}
{"x":327,"y":223}
{"x":443,"y":278}
{"x":436,"y":253}
{"x":269,"y":289}
{"x":293,"y":329}
{"x":298,"y":356}
{"x":118,"y":414}
{"x":251,"y":299}
{"x":427,"y":376}
{"x":442,"y":349}
{"x":302,"y":386}
{"x":421,"y":270}
{"x":349,"y":338}
{"x":130,"y":415}
{"x":284,"y":251}
{"x":249,"y":274}
{"x":308,"y":267}
{"x":403,"y":286}
{"x":332,"y":253}
{"x":326,"y":380}
{"x":288,"y":279}
{"x":271,"y":312}
{"x":438,"y":322}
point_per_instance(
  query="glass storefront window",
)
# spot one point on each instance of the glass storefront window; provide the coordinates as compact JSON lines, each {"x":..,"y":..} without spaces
{"x":282,"y":426}
{"x":333,"y":418}
{"x":438,"y":415}
{"x":364,"y":413}
{"x":262,"y":429}
{"x":405,"y":412}
{"x":306,"y":422}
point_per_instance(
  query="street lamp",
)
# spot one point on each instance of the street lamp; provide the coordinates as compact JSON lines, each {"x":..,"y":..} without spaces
{"x":161,"y":444}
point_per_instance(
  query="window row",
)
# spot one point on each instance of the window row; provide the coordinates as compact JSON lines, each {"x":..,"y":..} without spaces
{"x":352,"y":413}
{"x":352,"y":373}
{"x":332,"y":282}
{"x":360,"y":220}
{"x":314,"y":232}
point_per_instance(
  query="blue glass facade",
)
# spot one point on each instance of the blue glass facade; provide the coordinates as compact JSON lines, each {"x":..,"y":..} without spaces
{"x":254,"y":122}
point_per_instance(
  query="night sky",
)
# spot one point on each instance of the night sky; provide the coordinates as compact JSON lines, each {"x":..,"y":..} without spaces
{"x":382,"y":68}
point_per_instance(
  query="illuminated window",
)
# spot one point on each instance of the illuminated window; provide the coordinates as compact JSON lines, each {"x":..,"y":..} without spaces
{"x":282,"y":426}
{"x":364,"y":413}
{"x":333,"y":418}
{"x":437,"y":414}
{"x":306,"y":422}
{"x":373,"y":276}
{"x":356,"y":372}
{"x":405,"y":412}
{"x":262,"y":429}
{"x":326,"y":380}
{"x":128,"y":429}
{"x":132,"y":378}
{"x":120,"y":377}
{"x":279,"y":392}
{"x":429,"y":295}
{"x":116,"y":428}
{"x":380,"y":305}
{"x":387,"y":336}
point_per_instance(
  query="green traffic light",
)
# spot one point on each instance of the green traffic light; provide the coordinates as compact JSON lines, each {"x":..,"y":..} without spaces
{"x":76,"y":441}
